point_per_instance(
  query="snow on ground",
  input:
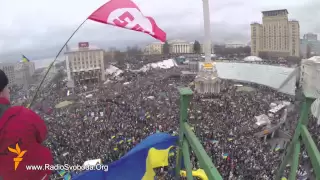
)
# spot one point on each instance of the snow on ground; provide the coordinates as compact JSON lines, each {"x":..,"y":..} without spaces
{"x":165,"y":64}
{"x":113,"y":71}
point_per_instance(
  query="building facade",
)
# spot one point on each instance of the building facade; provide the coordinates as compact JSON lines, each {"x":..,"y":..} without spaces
{"x":180,"y":47}
{"x":154,"y":48}
{"x":19,"y":73}
{"x":309,"y":45}
{"x":32,"y":67}
{"x":276,"y":36}
{"x":8,"y":68}
{"x":85,"y":64}
{"x":176,"y":47}
{"x":23,"y":74}
{"x":235,"y":45}
{"x":310,"y":36}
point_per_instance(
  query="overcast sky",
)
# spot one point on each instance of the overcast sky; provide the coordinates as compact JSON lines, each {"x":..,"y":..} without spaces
{"x":38,"y":28}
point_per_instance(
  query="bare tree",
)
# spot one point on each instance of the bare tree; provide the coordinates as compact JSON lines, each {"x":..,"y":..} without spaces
{"x":166,"y":48}
{"x":196,"y":47}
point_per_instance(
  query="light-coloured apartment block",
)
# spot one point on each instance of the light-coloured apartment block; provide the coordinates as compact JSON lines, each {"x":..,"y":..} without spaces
{"x":23,"y":73}
{"x":8,"y":68}
{"x":175,"y":47}
{"x":154,"y":48}
{"x":32,"y":67}
{"x":310,"y":37}
{"x":276,"y":36}
{"x":85,"y":64}
{"x":19,"y":73}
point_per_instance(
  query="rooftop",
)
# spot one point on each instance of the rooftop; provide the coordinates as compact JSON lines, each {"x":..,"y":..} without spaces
{"x":255,"y":23}
{"x":80,"y":49}
{"x":276,"y":11}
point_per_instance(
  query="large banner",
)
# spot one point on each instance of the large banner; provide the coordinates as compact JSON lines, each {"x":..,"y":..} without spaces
{"x":267,"y":75}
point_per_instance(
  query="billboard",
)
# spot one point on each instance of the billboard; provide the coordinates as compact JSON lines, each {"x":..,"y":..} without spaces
{"x":83,"y":44}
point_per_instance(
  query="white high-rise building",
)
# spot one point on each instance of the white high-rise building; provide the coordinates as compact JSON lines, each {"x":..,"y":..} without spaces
{"x":85,"y":64}
{"x":276,"y":36}
{"x":310,"y":36}
{"x":23,"y":74}
{"x":19,"y":73}
{"x":8,"y":68}
{"x":32,"y":67}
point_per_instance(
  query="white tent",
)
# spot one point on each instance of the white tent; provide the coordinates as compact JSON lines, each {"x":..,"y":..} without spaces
{"x":252,"y":58}
{"x":89,"y":96}
{"x":165,"y":64}
{"x":63,"y":104}
{"x":272,"y":76}
{"x":92,"y":162}
{"x":262,"y":120}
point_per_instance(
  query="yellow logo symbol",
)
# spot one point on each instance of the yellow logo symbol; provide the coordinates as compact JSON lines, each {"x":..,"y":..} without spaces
{"x":20,"y":154}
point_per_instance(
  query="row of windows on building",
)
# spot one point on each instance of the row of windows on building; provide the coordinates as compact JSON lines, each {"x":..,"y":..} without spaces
{"x":83,"y":58}
{"x":276,"y":26}
{"x":8,"y":68}
{"x":85,"y":66}
{"x":274,"y":43}
{"x":78,"y":63}
{"x":86,"y":63}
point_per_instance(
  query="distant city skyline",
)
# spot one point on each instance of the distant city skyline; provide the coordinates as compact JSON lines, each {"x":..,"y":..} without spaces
{"x":24,"y":31}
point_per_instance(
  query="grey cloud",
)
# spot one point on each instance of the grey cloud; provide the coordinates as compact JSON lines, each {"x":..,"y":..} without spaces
{"x":308,"y":15}
{"x":230,"y":22}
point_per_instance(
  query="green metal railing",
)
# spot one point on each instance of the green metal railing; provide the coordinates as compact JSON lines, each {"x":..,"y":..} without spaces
{"x":188,"y":139}
{"x":301,"y":135}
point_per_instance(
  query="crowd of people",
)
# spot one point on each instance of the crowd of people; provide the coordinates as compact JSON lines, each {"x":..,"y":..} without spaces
{"x":106,"y":120}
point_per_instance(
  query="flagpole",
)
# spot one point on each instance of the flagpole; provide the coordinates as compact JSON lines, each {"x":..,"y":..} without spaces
{"x":50,"y":66}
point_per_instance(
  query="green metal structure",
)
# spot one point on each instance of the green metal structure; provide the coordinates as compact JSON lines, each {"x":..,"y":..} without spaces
{"x":188,"y":139}
{"x":301,"y":135}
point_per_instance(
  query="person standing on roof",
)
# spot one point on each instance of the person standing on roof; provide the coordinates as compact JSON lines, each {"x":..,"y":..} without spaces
{"x":21,"y":133}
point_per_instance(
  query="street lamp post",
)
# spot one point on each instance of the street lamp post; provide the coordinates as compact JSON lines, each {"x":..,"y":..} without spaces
{"x":207,"y":31}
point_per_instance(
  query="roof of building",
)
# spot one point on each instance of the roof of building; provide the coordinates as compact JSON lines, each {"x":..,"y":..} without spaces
{"x":315,"y":58}
{"x":234,"y":42}
{"x":276,"y":10}
{"x":7,"y":64}
{"x":90,"y":48}
{"x":157,"y":43}
{"x":177,"y":41}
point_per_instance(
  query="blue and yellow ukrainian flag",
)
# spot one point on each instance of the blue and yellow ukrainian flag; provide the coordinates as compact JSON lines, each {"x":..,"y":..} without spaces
{"x":65,"y":175}
{"x":62,"y":172}
{"x":139,"y":162}
{"x":277,"y":148}
{"x":225,"y":155}
{"x":25,"y":59}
